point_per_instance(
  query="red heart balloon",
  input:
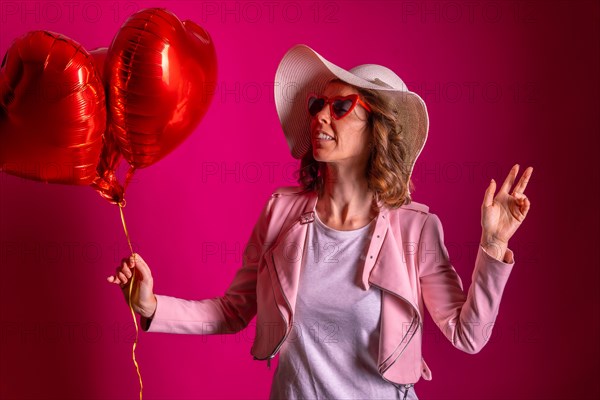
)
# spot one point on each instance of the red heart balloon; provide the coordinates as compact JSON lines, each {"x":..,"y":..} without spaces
{"x":161,"y":78}
{"x":52,"y":110}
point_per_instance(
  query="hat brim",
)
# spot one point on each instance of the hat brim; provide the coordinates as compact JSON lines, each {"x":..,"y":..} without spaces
{"x":303,"y":71}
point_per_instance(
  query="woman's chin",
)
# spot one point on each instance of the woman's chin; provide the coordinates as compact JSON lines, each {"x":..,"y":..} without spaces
{"x":320,"y":156}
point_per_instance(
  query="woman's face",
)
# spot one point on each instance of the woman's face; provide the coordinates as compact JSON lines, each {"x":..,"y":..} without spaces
{"x":349,"y":135}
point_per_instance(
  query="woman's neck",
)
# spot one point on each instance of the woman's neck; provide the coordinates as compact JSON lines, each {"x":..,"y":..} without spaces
{"x":345,"y":201}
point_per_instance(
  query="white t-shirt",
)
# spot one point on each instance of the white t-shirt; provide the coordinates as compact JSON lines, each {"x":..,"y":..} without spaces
{"x":331,"y":352}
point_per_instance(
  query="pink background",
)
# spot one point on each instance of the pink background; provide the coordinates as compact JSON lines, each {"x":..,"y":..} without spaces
{"x":505,"y":82}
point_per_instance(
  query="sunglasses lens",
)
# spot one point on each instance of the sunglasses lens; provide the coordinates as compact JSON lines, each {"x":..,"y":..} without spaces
{"x":315,"y":104}
{"x":342,"y":107}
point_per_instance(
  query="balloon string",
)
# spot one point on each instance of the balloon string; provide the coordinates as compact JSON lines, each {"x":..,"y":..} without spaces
{"x":137,"y":367}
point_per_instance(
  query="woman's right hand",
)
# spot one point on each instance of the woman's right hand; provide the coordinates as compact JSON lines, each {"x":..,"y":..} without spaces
{"x":143,"y":300}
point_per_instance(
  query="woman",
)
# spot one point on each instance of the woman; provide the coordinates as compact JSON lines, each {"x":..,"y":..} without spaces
{"x":338,"y":271}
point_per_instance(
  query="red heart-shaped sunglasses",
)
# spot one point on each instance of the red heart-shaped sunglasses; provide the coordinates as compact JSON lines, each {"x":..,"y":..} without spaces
{"x":339,"y":106}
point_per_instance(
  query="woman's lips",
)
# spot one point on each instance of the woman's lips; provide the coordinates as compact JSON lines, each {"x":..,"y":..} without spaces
{"x":323,"y":136}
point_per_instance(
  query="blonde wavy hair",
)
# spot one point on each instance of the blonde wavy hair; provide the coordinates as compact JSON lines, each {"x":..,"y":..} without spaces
{"x":387,"y":173}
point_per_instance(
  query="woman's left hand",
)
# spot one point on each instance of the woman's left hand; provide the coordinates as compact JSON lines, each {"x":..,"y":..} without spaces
{"x":501,"y":215}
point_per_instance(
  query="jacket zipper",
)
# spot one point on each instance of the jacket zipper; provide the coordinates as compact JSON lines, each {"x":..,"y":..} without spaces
{"x":288,"y":330}
{"x":411,"y":337}
{"x":289,"y":306}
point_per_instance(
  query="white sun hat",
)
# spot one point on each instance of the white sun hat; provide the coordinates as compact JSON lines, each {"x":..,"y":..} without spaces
{"x":303,"y":71}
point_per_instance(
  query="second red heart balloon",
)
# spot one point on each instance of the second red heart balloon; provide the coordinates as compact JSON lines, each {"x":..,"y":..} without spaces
{"x":161,"y":74}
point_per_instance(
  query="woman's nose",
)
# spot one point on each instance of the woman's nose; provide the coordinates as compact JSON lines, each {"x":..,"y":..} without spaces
{"x":324,"y":115}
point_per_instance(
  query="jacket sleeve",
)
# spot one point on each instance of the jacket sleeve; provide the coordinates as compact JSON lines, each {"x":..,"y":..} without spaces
{"x":465,"y":319}
{"x":229,"y":313}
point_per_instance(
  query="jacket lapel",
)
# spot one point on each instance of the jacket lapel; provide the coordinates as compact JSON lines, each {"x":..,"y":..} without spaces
{"x":287,"y":257}
{"x":390,"y":271}
{"x":386,"y":264}
{"x":289,"y":250}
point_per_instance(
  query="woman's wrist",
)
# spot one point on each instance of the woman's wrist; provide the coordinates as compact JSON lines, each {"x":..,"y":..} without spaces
{"x":494,"y":246}
{"x":150,"y":310}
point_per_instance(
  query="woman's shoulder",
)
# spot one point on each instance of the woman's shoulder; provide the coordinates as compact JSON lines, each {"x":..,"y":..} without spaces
{"x":291,"y":200}
{"x":289,"y":191}
{"x":286,"y":195}
{"x":411,"y":219}
{"x":414,"y":206}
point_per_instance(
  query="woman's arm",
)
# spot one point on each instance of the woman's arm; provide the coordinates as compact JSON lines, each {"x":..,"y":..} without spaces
{"x":467,"y":320}
{"x":229,"y":313}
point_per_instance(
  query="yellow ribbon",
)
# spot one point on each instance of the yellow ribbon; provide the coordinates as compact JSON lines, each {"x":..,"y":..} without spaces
{"x":137,"y":367}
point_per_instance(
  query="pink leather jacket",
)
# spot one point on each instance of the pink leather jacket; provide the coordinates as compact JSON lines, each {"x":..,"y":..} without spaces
{"x":406,"y":259}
